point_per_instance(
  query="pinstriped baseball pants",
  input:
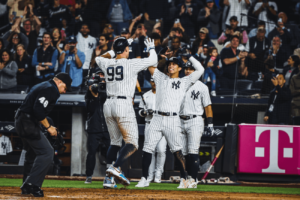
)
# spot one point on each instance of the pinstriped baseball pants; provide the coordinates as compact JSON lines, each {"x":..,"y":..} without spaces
{"x":192,"y":130}
{"x":168,"y":126}
{"x":121,"y":122}
{"x":156,"y":167}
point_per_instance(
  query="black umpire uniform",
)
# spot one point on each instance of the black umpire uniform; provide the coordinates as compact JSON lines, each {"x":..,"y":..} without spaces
{"x":98,"y":135}
{"x":39,"y":156}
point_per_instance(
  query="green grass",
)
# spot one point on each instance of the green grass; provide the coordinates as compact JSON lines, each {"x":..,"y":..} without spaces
{"x":156,"y":186}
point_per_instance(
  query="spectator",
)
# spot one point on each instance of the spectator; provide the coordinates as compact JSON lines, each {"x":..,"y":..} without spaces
{"x":241,"y":47}
{"x":66,"y":30}
{"x":109,"y":30}
{"x":261,"y":24}
{"x":237,"y":8}
{"x":86,"y":44}
{"x":269,"y":74}
{"x":25,"y":75}
{"x":4,"y":22}
{"x":225,"y":36}
{"x":279,"y":104}
{"x":134,"y":49}
{"x":295,"y":91}
{"x":157,"y":42}
{"x":292,"y":69}
{"x":8,"y":71}
{"x":57,"y":38}
{"x":284,"y":34}
{"x":266,"y":11}
{"x":44,"y":59}
{"x":232,"y":59}
{"x":152,"y":12}
{"x":176,"y":31}
{"x":209,"y":17}
{"x":297,"y":52}
{"x":277,"y":53}
{"x":119,"y":15}
{"x":42,"y":7}
{"x":72,"y":60}
{"x":17,"y":7}
{"x":32,"y":34}
{"x":187,"y":14}
{"x":1,"y":46}
{"x":257,"y":47}
{"x":212,"y":68}
{"x":101,"y":49}
{"x":202,"y":38}
{"x":13,"y":39}
{"x":58,"y":12}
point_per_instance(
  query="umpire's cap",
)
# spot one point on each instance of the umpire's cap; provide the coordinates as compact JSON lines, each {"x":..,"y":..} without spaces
{"x":188,"y":64}
{"x":64,"y":77}
{"x":120,"y":44}
{"x":174,"y":60}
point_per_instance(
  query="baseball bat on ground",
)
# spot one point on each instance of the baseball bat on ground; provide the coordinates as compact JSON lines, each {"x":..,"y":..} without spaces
{"x":140,"y":91}
{"x":212,"y":164}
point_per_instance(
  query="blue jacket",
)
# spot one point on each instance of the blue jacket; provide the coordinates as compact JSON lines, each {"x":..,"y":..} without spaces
{"x":126,"y":11}
{"x":75,"y":72}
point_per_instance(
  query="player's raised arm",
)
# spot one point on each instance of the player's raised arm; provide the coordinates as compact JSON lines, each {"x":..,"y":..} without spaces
{"x":199,"y":69}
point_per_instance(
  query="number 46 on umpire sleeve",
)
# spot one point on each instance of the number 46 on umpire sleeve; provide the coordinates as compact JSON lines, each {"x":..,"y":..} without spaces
{"x":43,"y":101}
{"x":115,"y":74}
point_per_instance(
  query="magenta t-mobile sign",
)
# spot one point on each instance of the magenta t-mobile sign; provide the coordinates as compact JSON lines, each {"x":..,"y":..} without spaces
{"x":269,"y":149}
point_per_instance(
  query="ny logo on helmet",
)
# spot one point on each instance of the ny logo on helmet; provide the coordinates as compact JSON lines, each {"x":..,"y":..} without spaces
{"x":176,"y":85}
{"x":195,"y":95}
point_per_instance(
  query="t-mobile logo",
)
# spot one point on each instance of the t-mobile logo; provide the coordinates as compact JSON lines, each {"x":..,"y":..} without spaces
{"x":274,"y":147}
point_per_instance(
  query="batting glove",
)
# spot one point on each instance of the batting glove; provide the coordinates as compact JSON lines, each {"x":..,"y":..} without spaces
{"x":210,"y":130}
{"x":149,"y":44}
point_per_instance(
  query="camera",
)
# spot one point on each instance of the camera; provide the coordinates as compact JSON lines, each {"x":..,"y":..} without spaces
{"x":97,"y":83}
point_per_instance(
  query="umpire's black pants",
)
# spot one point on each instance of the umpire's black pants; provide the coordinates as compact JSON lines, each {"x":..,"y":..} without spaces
{"x":38,"y":158}
{"x":94,"y":140}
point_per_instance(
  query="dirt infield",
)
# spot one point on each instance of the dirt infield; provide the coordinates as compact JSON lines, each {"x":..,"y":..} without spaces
{"x":77,"y":193}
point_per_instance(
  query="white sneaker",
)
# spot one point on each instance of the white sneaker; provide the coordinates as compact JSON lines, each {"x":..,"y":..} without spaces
{"x":143,"y":183}
{"x":157,"y":180}
{"x":213,"y":93}
{"x":109,"y":182}
{"x":183,"y":184}
{"x":191,"y":183}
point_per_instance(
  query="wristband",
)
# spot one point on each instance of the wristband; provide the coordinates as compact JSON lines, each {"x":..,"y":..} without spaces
{"x":48,"y":127}
{"x":21,"y":16}
{"x":62,"y":52}
{"x":210,"y":120}
{"x":43,"y":63}
{"x":237,"y":57}
{"x":197,"y":54}
{"x":111,"y":53}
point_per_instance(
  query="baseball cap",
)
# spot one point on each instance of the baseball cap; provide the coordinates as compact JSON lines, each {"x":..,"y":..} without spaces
{"x":233,"y":18}
{"x":124,"y":31}
{"x":204,"y":30}
{"x":174,"y":60}
{"x":187,"y":46}
{"x":64,"y":77}
{"x":209,"y":1}
{"x":188,"y":64}
{"x":72,"y":39}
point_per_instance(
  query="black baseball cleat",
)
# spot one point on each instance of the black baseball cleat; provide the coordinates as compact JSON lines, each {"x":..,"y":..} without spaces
{"x":28,"y":188}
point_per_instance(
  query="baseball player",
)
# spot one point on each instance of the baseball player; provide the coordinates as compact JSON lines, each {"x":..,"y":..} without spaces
{"x":191,"y":111}
{"x":157,"y":165}
{"x":170,"y":91}
{"x":121,"y":76}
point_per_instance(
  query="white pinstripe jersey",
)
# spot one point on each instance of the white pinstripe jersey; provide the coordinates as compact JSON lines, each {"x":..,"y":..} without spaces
{"x":150,"y":99}
{"x":121,"y":74}
{"x":196,"y":98}
{"x":170,"y":91}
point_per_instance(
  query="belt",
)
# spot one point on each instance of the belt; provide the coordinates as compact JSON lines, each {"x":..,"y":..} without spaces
{"x":118,"y":97}
{"x":166,"y":113}
{"x":187,"y":117}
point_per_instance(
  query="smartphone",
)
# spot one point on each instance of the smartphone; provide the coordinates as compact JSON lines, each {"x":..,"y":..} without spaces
{"x":72,"y":48}
{"x":177,"y":21}
{"x":14,"y":14}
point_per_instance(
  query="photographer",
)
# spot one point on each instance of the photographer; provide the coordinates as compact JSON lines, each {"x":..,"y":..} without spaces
{"x":72,"y":61}
{"x":96,"y":126}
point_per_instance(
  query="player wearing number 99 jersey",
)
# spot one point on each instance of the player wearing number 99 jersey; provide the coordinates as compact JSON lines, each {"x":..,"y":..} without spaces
{"x":121,"y":76}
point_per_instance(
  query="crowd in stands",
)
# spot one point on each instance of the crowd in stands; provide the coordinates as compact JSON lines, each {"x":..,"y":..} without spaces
{"x":250,"y":40}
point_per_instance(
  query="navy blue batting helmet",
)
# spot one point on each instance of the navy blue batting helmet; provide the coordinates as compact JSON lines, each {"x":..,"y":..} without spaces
{"x":120,"y":44}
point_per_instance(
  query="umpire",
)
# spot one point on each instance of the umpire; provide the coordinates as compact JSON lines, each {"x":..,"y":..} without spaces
{"x":98,"y":135}
{"x":37,"y":105}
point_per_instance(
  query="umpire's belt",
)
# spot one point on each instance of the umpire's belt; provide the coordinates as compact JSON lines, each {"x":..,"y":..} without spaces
{"x":117,"y":97}
{"x":187,"y":117}
{"x":166,"y":113}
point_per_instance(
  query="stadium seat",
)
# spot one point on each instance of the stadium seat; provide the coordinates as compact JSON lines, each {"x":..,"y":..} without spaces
{"x":257,"y":84}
